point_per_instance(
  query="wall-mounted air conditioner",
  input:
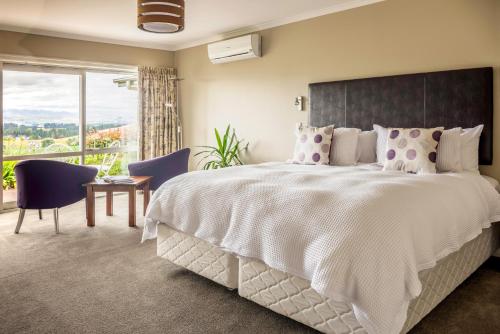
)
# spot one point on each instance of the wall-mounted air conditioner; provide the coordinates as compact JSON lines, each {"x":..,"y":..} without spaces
{"x":244,"y":47}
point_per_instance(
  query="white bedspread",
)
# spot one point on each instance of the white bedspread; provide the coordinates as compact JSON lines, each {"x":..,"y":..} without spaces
{"x":358,"y":234}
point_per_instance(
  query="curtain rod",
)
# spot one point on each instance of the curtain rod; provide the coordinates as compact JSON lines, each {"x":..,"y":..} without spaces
{"x":58,"y":62}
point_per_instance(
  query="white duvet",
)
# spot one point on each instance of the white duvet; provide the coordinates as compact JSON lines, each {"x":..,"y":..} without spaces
{"x":358,"y":234}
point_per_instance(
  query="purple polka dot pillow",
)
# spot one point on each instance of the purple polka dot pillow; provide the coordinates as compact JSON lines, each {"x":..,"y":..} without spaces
{"x":313,"y":145}
{"x":412,"y":150}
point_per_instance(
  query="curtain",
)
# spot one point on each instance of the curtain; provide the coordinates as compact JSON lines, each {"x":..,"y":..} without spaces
{"x":159,"y":124}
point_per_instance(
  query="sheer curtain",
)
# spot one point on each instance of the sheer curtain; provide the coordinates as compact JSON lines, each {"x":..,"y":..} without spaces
{"x":159,"y":124}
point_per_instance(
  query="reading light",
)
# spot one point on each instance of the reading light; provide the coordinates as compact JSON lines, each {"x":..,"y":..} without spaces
{"x":299,"y":103}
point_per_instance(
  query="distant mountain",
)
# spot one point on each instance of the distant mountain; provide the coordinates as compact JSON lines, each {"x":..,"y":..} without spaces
{"x":40,"y":116}
{"x":34,"y":116}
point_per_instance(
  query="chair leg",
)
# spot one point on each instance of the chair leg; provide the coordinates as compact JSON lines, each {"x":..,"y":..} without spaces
{"x":20,"y":220}
{"x":40,"y":214}
{"x":56,"y":220}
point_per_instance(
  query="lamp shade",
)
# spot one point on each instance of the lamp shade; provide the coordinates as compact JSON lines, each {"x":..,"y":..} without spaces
{"x":160,"y":16}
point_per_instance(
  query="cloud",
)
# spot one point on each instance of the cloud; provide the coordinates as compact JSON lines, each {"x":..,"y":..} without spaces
{"x":32,"y":97}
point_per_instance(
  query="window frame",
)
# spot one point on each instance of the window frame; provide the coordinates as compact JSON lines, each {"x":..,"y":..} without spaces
{"x":81,"y":71}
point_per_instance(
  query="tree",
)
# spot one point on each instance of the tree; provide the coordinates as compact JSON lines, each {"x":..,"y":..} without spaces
{"x":47,"y":142}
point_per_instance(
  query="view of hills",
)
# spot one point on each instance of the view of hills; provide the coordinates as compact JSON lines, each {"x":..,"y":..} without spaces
{"x":43,"y":116}
{"x":52,"y":130}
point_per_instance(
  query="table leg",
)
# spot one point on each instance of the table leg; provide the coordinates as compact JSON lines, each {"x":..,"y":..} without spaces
{"x":147,"y":193}
{"x":131,"y":207}
{"x":90,"y":207}
{"x":109,"y":203}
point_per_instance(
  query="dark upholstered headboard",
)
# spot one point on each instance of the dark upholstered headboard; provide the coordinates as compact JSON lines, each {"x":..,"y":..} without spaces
{"x":449,"y":98}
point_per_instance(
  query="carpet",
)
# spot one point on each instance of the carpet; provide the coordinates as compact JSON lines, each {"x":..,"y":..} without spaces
{"x":103,"y":280}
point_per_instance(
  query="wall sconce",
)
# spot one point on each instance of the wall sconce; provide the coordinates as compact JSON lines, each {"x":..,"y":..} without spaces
{"x":299,"y":103}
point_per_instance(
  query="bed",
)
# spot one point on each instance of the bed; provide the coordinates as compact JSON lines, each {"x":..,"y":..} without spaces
{"x":317,"y":282}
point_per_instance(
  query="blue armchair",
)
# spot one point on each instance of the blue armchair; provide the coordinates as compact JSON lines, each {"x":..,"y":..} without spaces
{"x":162,"y":168}
{"x":49,"y":184}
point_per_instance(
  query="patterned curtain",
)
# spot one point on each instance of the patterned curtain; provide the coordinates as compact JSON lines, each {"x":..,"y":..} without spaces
{"x":158,"y":116}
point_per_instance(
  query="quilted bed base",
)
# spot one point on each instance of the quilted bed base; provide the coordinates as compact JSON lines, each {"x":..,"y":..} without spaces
{"x":293,"y":297}
{"x":198,"y":256}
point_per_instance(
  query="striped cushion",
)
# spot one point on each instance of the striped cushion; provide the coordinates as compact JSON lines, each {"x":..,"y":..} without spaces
{"x":448,"y":151}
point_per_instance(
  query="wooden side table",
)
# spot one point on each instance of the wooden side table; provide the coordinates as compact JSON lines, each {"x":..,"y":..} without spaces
{"x":140,"y":182}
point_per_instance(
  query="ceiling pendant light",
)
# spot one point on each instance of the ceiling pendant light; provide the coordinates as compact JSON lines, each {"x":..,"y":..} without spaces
{"x":160,"y":16}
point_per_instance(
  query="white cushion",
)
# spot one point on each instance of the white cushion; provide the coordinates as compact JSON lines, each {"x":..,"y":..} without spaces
{"x":367,"y":147}
{"x":470,"y":148}
{"x":449,"y":156}
{"x":344,"y":146}
{"x":381,"y":142}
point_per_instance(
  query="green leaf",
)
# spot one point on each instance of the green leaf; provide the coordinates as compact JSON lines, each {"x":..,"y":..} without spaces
{"x":229,"y":149}
{"x":217,"y":136}
{"x":208,"y":165}
{"x":224,"y":143}
{"x":227,"y":152}
{"x":233,"y":154}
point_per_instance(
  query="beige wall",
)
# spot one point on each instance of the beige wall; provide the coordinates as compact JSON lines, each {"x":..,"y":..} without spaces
{"x":52,"y":47}
{"x":392,"y":37}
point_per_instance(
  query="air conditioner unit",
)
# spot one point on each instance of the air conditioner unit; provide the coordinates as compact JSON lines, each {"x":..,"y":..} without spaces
{"x":244,"y":47}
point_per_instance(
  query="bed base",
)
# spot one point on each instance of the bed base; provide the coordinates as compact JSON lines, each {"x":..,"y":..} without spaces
{"x":198,"y":256}
{"x":293,"y":297}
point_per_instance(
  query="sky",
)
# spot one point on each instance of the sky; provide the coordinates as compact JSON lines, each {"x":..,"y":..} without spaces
{"x":35,"y":98}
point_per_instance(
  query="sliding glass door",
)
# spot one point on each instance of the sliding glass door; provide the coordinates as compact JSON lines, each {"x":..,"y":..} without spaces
{"x":110,"y":121}
{"x":72,"y":115}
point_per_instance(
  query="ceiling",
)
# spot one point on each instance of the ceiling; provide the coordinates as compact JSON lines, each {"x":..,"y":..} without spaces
{"x":114,"y":21}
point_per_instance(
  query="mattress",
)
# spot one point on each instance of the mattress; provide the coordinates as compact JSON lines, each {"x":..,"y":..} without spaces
{"x":293,"y":296}
{"x":198,"y":256}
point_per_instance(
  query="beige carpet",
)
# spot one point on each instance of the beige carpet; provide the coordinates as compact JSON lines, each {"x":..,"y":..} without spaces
{"x":102,"y":280}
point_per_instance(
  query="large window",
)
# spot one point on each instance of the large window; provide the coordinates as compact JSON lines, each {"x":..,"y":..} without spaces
{"x":73,"y":115}
{"x":111,"y":121}
{"x":41,"y":112}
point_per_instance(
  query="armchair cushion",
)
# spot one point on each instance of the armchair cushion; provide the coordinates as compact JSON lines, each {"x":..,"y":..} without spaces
{"x":162,"y":168}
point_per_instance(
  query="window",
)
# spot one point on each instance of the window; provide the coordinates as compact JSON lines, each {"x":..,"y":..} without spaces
{"x":111,"y":120}
{"x":73,"y":115}
{"x":40,"y":112}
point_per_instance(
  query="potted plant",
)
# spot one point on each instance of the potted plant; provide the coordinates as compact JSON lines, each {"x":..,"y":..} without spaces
{"x":225,"y":154}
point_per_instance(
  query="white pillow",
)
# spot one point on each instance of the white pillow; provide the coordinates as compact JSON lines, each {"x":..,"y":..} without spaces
{"x":470,"y":148}
{"x":344,"y":146}
{"x":449,"y":156}
{"x":367,"y":147}
{"x":381,"y":142}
